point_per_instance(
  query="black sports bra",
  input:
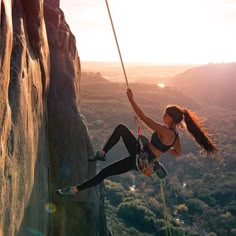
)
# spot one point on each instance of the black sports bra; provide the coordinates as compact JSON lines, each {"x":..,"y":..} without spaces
{"x":156,"y":142}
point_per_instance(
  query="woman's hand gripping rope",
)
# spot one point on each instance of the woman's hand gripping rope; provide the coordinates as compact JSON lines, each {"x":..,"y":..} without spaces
{"x":130,"y":94}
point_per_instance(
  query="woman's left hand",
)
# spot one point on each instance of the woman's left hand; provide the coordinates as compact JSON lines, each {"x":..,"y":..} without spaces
{"x":147,"y":172}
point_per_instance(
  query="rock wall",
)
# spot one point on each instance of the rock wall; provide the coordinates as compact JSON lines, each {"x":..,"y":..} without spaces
{"x":24,"y":82}
{"x":44,"y":144}
{"x":69,"y":143}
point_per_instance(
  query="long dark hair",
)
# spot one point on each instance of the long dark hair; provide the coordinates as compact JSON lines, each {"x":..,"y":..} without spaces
{"x":194,"y":126}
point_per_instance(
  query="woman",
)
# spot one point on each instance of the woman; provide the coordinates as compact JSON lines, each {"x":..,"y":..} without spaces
{"x":165,"y":138}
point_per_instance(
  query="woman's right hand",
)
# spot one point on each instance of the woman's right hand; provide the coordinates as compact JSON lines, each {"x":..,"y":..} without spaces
{"x":130,"y":94}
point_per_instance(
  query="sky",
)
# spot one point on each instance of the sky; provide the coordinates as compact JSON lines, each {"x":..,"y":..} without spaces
{"x":154,"y":31}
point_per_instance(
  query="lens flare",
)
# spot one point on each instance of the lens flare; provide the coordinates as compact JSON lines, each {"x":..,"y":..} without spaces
{"x":132,"y":188}
{"x":34,"y":232}
{"x":50,"y":208}
{"x":65,"y":170}
{"x":179,"y":221}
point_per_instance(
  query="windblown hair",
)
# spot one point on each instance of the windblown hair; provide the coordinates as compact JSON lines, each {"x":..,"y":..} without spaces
{"x":194,"y":126}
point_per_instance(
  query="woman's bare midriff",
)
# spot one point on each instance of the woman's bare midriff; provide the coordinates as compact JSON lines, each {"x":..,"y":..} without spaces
{"x":155,"y":151}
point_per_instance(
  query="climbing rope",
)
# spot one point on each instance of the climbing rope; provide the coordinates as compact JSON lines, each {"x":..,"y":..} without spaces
{"x":117,"y":44}
{"x":165,"y":210}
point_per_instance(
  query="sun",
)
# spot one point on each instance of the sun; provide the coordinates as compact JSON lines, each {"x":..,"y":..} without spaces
{"x":161,"y":85}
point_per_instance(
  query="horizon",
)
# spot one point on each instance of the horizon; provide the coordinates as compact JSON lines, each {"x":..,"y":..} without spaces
{"x":137,"y":71}
{"x":150,"y":73}
{"x":147,"y":63}
{"x":155,"y":63}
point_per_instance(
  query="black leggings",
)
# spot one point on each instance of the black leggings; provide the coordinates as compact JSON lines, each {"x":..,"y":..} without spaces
{"x":118,"y":167}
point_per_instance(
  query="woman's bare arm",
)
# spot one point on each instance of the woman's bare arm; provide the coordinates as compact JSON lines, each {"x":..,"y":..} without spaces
{"x":147,"y":120}
{"x":176,"y":149}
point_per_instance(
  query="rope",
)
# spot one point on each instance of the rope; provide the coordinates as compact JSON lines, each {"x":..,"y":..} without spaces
{"x":165,"y":211}
{"x":117,"y":44}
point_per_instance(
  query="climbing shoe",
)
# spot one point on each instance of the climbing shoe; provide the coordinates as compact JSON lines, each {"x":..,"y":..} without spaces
{"x":99,"y":156}
{"x":159,"y":170}
{"x":66,"y":192}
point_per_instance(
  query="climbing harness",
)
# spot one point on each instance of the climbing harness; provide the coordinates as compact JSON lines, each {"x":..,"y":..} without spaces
{"x":144,"y":163}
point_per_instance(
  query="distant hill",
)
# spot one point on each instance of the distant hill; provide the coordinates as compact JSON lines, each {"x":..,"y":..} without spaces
{"x":92,"y":78}
{"x":213,"y":84}
{"x":199,"y":191}
{"x":136,"y":72}
{"x":101,"y":99}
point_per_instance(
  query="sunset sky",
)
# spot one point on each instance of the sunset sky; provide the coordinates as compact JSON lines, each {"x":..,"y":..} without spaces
{"x":154,"y":31}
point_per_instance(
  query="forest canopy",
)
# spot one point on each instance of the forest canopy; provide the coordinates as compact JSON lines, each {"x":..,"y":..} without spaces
{"x":200,"y":191}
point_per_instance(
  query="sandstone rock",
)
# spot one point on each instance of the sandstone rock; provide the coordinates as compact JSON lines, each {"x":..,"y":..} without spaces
{"x":24,"y":79}
{"x":44,"y":144}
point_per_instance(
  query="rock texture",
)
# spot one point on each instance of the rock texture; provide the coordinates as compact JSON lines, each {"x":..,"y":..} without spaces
{"x":44,"y":144}
{"x":24,"y":81}
{"x":68,"y":139}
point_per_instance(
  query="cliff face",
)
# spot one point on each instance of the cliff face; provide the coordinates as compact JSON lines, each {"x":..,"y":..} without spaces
{"x":24,"y":79}
{"x":69,"y":143}
{"x":44,"y":143}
